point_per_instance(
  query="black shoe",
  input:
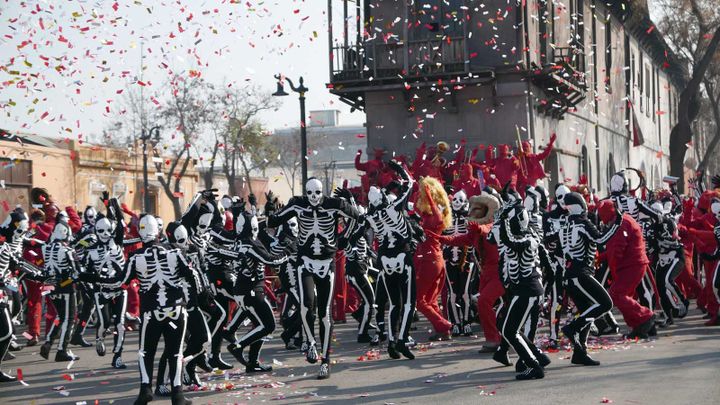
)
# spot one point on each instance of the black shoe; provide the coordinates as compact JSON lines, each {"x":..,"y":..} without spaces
{"x":520,"y":366}
{"x":403,"y":349}
{"x":179,"y":399}
{"x":644,"y":328}
{"x":189,"y":375}
{"x":6,"y":378}
{"x":392,"y":352}
{"x":8,"y":356}
{"x":312,"y":354}
{"x":440,"y":337}
{"x":501,"y":356}
{"x":364,"y":338}
{"x":544,"y":360}
{"x":117,"y":362}
{"x":324,"y":372}
{"x":144,"y":396}
{"x":45,"y":350}
{"x":488,"y":349}
{"x":375,"y":341}
{"x":531,"y":373}
{"x":652,"y":331}
{"x":583,"y":359}
{"x":65,"y":355}
{"x":216,"y":361}
{"x":455,"y":331}
{"x":100,"y":347}
{"x":467,"y":330}
{"x":289,"y":342}
{"x":258,"y":368}
{"x":79,"y":340}
{"x":202,"y":362}
{"x":32,"y":342}
{"x":237,"y":352}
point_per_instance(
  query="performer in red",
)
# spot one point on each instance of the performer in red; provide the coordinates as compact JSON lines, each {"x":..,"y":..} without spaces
{"x":531,"y":167}
{"x":686,"y":280}
{"x":466,"y":181}
{"x":625,"y":254}
{"x":433,"y":206}
{"x":482,"y":211}
{"x":372,"y":168}
{"x":506,"y":167}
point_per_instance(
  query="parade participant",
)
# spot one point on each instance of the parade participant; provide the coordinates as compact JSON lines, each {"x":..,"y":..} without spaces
{"x":669,"y":265}
{"x":61,"y":266}
{"x":249,"y":266}
{"x":372,"y":168}
{"x":356,"y":268}
{"x":506,"y":166}
{"x":579,"y":239}
{"x":460,"y":269}
{"x":715,"y":281}
{"x":12,"y":233}
{"x":433,"y":206}
{"x":85,"y":291}
{"x":317,"y":244}
{"x":393,"y":232}
{"x":531,"y":165}
{"x":480,"y":218}
{"x":102,"y":261}
{"x":553,"y":221}
{"x":625,"y":254}
{"x":163,"y":272}
{"x":521,"y":278}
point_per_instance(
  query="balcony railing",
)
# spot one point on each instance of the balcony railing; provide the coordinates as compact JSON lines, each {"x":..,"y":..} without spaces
{"x":392,"y":60}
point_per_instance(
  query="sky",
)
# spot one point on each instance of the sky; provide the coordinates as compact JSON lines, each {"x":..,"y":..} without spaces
{"x":64,"y":65}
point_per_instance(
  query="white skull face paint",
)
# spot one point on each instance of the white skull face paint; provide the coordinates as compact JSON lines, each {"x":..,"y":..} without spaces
{"x":460,"y":201}
{"x":160,"y":225}
{"x":239,"y":223}
{"x":313,"y":190}
{"x":181,"y":237}
{"x":204,"y":223}
{"x":292,"y":223}
{"x":375,"y":196}
{"x":60,"y":232}
{"x":63,"y":216}
{"x":104,"y":230}
{"x":20,"y":228}
{"x":148,"y":228}
{"x":560,"y":194}
{"x":254,"y":227}
{"x":657,"y":207}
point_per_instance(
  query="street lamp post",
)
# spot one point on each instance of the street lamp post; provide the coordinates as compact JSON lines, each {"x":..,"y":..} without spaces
{"x":301,"y":90}
{"x":146,"y":135}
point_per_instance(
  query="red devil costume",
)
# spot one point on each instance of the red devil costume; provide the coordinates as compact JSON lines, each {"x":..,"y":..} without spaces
{"x":531,"y":166}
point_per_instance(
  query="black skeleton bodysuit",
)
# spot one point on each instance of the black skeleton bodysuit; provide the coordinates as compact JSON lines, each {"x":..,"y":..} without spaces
{"x":668,"y":266}
{"x":63,"y":268}
{"x":460,"y":269}
{"x":392,"y":229}
{"x":104,"y":262}
{"x":317,"y":244}
{"x":579,"y":239}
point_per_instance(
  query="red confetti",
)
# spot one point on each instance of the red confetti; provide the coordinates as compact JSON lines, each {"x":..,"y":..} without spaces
{"x":67,"y":377}
{"x":19,"y":374}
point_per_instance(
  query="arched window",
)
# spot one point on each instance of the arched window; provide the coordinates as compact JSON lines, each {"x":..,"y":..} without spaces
{"x":610,"y":168}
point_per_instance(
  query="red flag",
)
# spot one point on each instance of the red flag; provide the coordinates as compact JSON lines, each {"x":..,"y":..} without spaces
{"x":638,"y":138}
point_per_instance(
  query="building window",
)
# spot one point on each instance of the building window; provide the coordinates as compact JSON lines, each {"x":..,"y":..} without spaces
{"x":608,"y":53}
{"x":543,"y":34}
{"x":647,"y":90}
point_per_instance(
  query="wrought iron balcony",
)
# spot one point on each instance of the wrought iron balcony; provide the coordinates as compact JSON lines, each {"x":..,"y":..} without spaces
{"x":563,"y":81}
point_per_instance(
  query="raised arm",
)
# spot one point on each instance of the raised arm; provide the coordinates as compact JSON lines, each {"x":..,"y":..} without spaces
{"x":548,"y":149}
{"x":595,"y":235}
{"x":358,"y":165}
{"x":283,"y":215}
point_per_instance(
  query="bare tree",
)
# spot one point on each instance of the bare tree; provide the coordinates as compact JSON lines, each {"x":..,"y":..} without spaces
{"x":289,"y":157}
{"x":693,"y":30}
{"x":189,"y":110}
{"x":712,"y":90}
{"x":243,"y":143}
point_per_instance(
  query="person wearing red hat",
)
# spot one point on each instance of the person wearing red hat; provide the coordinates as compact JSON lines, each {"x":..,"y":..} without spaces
{"x":531,"y":165}
{"x":625,"y":255}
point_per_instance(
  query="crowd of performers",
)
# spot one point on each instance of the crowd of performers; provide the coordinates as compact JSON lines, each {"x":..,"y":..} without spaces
{"x":433,"y":236}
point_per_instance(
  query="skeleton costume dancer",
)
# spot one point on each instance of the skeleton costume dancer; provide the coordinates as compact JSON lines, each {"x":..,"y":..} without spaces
{"x":522,"y":280}
{"x":85,"y":291}
{"x":553,"y":221}
{"x":12,"y":230}
{"x":317,"y":245}
{"x":249,"y":264}
{"x":715,"y":209}
{"x":388,"y":220}
{"x":62,"y":266}
{"x":162,"y":272}
{"x":460,"y":271}
{"x":356,"y":269}
{"x":579,"y":239}
{"x":670,"y":263}
{"x":102,"y":261}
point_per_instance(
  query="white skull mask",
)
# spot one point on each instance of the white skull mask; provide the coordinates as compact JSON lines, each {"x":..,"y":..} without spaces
{"x":375,"y":196}
{"x":160,"y":225}
{"x":60,"y":232}
{"x":460,"y":201}
{"x":715,"y":208}
{"x":560,"y":194}
{"x":292,"y":224}
{"x":20,"y":228}
{"x":314,"y":191}
{"x":181,"y":237}
{"x":618,"y":183}
{"x":254,"y":228}
{"x":104,"y":230}
{"x":90,"y":215}
{"x":148,"y":228}
{"x":204,"y":223}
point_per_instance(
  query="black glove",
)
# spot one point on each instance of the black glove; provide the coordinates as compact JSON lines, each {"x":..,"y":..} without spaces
{"x":343,"y":193}
{"x":252,"y":200}
{"x":105,"y":198}
{"x":209,"y":195}
{"x":395,"y":166}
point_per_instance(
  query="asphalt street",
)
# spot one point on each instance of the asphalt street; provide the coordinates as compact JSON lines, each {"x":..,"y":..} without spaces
{"x":681,"y":366}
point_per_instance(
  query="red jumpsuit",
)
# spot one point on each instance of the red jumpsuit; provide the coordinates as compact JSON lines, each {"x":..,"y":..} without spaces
{"x":467,"y":182}
{"x":531,"y":165}
{"x":491,"y":288}
{"x":372,"y":169}
{"x":705,"y":243}
{"x":506,"y":167}
{"x":686,"y":280}
{"x":625,"y":254}
{"x":430,"y":270}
